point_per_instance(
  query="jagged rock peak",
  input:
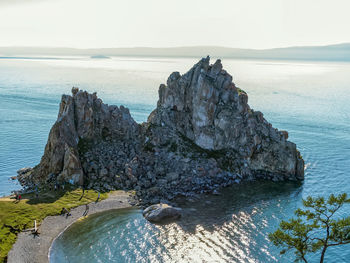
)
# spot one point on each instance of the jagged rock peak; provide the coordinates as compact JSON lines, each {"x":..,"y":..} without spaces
{"x":204,"y":97}
{"x":82,"y":117}
{"x":206,"y":107}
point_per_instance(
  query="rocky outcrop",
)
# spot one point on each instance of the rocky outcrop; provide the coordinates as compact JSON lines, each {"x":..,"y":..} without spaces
{"x":83,"y":120}
{"x":24,"y":176}
{"x":206,"y":107}
{"x":202,"y":136}
{"x":160,"y":212}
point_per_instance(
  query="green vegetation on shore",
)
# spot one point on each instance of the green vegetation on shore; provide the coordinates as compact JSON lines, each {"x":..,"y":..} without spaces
{"x":17,"y":216}
{"x":316,"y":228}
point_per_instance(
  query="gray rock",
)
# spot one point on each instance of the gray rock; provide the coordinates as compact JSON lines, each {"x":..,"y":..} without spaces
{"x":24,"y":170}
{"x":206,"y":107}
{"x":202,"y":128}
{"x":160,"y":212}
{"x":25,"y":177}
{"x":162,"y":182}
{"x":103,"y":172}
{"x":172,"y":176}
{"x":216,"y":192}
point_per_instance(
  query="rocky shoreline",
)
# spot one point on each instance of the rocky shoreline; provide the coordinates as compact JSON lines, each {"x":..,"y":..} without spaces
{"x":29,"y":249}
{"x":201,"y":137}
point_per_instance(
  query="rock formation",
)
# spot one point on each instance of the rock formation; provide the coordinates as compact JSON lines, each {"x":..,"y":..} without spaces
{"x":206,"y":107}
{"x":202,"y":136}
{"x":83,"y":119}
{"x":160,"y":212}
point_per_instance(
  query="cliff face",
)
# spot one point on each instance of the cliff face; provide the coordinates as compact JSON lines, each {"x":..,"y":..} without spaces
{"x":201,"y":136}
{"x":206,"y":107}
{"x":83,"y":119}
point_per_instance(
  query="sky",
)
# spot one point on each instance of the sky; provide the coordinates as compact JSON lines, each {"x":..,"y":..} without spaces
{"x":256,"y":24}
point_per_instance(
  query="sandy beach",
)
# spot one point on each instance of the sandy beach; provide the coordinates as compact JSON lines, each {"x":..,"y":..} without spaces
{"x":36,"y":249}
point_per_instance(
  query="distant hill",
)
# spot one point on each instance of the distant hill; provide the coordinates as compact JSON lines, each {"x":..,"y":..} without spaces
{"x":99,"y":57}
{"x":339,"y":52}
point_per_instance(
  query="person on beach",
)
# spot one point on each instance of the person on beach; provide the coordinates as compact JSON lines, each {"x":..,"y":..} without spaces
{"x":86,"y":210}
{"x":36,"y":192}
{"x":62,"y":211}
{"x":98,"y":197}
{"x":65,"y":211}
{"x":68,"y":214}
{"x":35,"y":231}
{"x":16,"y":197}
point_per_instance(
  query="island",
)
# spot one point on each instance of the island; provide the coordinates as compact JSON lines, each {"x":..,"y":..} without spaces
{"x":201,"y":137}
{"x":99,"y":57}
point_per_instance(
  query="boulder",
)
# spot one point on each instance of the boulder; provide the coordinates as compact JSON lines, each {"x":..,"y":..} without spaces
{"x":172,"y":176}
{"x":160,"y":212}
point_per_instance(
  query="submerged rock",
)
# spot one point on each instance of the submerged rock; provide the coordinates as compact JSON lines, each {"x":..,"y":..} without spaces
{"x":160,"y":212}
{"x":202,"y":136}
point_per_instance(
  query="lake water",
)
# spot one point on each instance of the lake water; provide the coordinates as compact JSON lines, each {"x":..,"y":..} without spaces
{"x":308,"y":99}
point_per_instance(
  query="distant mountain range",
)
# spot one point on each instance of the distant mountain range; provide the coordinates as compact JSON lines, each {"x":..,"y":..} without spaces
{"x":339,"y":52}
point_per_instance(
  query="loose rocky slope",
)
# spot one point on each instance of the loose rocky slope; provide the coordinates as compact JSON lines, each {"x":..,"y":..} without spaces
{"x":202,"y":136}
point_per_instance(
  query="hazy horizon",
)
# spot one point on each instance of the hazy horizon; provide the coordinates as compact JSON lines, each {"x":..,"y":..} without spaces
{"x":182,"y":46}
{"x":249,"y":24}
{"x":340,"y":52}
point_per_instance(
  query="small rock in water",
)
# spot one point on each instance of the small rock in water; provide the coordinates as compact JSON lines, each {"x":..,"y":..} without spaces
{"x":159,"y":212}
{"x":216,"y":192}
{"x":24,"y":170}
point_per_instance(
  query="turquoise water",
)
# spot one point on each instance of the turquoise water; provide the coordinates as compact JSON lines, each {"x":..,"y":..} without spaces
{"x":308,"y":99}
{"x":228,"y":228}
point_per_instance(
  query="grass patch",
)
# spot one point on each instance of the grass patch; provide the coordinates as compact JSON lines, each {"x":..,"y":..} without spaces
{"x":240,"y":91}
{"x":15,"y":217}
